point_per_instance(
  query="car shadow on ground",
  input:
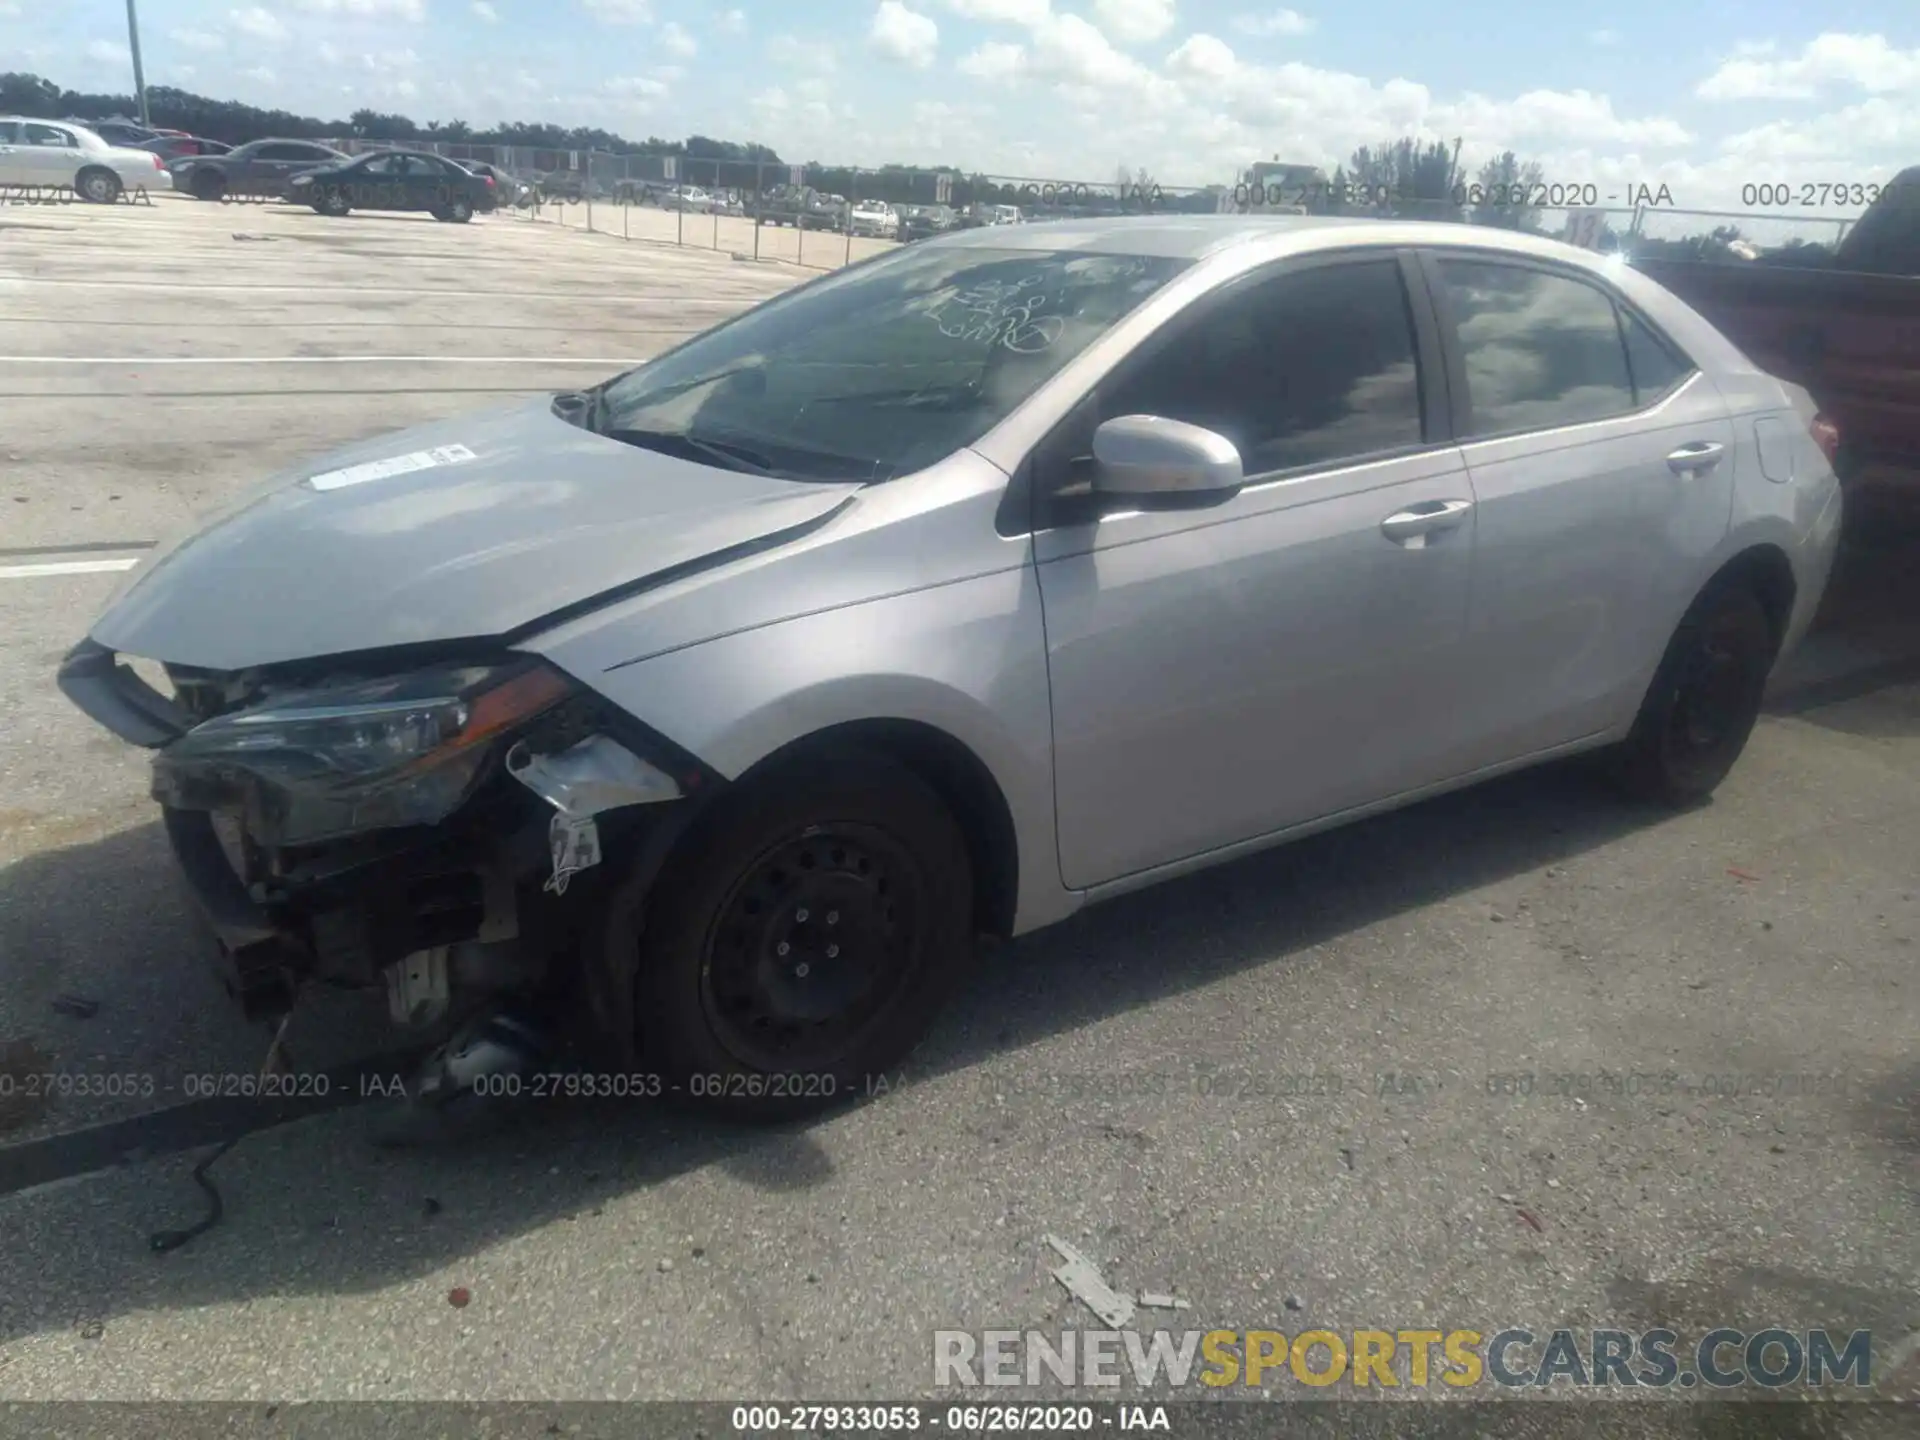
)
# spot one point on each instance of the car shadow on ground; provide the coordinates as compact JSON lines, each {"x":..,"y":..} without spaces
{"x":314,"y":1207}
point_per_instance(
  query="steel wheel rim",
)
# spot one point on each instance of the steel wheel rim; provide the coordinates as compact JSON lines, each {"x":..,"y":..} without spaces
{"x":813,"y":947}
{"x":1712,"y":700}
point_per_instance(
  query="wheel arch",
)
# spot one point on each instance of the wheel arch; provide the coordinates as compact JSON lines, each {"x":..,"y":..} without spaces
{"x":965,"y":784}
{"x":1765,"y":568}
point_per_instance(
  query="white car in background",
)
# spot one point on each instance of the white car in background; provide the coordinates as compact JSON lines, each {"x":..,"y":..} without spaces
{"x":54,"y":155}
{"x":874,"y":217}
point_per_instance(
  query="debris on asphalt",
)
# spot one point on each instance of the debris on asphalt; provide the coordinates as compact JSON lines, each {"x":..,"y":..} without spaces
{"x":1506,"y":1199}
{"x":77,"y":1006}
{"x":1294,"y":1302}
{"x":459,"y":1296}
{"x":1529,"y":1217}
{"x":1154,"y":1300}
{"x":1553,"y":1184}
{"x":92,"y":1329}
{"x":1083,"y":1281}
{"x":1739,"y":874}
{"x":666,"y":1267}
{"x":242,"y":235}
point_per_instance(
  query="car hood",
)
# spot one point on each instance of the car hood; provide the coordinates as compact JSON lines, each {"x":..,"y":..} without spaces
{"x":472,"y":528}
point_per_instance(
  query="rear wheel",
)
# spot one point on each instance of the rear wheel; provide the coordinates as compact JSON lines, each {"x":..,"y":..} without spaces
{"x":332,"y":201}
{"x":209,"y":185}
{"x":803,"y":937}
{"x":455,"y":212}
{"x":1704,"y":700}
{"x":101,"y":187}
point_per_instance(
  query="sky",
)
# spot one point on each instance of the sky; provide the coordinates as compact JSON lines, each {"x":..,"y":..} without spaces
{"x":1701,"y":96}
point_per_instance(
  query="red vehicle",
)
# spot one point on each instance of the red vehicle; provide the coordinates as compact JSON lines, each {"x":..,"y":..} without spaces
{"x":1848,"y":330}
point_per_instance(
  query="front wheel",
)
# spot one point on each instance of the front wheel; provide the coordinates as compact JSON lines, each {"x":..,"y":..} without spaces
{"x":1704,"y":700}
{"x":803,"y":937}
{"x":455,"y":212}
{"x":331,"y":202}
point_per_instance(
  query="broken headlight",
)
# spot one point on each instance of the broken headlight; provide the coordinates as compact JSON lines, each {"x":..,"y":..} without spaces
{"x":315,"y":764}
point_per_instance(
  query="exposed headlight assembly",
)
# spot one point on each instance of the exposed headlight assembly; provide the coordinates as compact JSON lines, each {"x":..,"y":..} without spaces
{"x":317,"y":764}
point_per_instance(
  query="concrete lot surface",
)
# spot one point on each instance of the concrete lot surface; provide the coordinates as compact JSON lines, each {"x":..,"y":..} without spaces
{"x":727,"y":234}
{"x":1282,"y":1091}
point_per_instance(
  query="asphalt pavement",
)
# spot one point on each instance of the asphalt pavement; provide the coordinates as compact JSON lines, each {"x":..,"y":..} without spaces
{"x":1523,"y":1056}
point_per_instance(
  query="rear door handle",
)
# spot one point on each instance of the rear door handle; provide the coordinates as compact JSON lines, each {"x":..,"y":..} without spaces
{"x":1691,"y":459}
{"x":1410,"y":527}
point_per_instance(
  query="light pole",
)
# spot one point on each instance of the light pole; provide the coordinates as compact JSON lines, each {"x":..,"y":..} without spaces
{"x":133,"y":44}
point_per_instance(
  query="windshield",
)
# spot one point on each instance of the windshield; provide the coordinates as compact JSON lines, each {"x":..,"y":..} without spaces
{"x":887,"y":367}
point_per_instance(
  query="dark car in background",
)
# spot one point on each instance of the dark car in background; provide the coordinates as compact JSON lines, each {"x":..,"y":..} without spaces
{"x":258,"y":168}
{"x":128,"y":134}
{"x":397,"y":180}
{"x":918,"y":222}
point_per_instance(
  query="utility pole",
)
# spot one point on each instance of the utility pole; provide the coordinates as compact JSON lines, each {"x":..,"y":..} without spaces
{"x":133,"y":44}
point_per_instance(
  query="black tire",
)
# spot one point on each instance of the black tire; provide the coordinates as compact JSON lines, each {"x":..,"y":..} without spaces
{"x":747,"y":906}
{"x":97,"y":186}
{"x":457,"y":211}
{"x":209,"y":185}
{"x":1704,"y":699}
{"x":332,"y":201}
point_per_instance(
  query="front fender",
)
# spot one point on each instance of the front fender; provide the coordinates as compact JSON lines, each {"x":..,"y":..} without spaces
{"x":967,"y":658}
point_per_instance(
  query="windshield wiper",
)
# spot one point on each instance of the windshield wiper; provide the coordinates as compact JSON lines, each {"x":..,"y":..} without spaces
{"x":723,"y":453}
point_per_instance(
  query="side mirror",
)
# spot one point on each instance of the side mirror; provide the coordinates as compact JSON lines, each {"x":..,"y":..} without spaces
{"x":1144,"y":457}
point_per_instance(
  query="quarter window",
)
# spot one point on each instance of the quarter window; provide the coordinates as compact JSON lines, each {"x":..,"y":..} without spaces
{"x":1540,"y":349}
{"x":1657,"y":368}
{"x":1312,"y":367}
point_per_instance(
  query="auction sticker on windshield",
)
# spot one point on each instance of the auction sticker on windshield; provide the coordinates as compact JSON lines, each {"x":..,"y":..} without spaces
{"x":393,"y":465}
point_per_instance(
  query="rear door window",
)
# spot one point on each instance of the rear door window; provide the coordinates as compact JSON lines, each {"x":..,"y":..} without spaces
{"x":1541,"y":349}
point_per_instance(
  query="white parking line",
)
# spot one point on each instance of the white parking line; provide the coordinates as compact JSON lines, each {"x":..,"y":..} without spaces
{"x":143,"y":360}
{"x":64,"y":567}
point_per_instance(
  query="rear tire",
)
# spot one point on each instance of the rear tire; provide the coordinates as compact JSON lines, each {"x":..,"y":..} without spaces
{"x":98,"y":186}
{"x":455,"y":212}
{"x":802,"y":937}
{"x":332,"y":202}
{"x":209,"y":186}
{"x":1703,"y":702}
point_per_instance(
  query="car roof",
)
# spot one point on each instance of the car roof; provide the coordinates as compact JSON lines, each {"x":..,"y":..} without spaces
{"x":1200,"y":237}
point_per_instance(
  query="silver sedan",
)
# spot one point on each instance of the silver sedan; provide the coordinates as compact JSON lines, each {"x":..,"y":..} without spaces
{"x":720,"y":707}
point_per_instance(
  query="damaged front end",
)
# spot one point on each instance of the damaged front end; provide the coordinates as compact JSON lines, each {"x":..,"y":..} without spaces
{"x":418,"y":829}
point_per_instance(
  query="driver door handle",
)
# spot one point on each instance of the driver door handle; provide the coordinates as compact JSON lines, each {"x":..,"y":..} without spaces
{"x":1691,"y":459}
{"x":1410,"y":527}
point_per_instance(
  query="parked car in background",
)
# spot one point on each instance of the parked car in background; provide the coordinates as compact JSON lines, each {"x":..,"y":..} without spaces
{"x":397,"y":180}
{"x":918,"y":222}
{"x":800,"y":206}
{"x":687,"y":197}
{"x":260,"y":168}
{"x":1845,"y":328}
{"x":509,"y":190}
{"x":128,"y":134}
{"x":568,"y":186}
{"x":56,"y":155}
{"x":731,"y":699}
{"x":874,"y":218}
{"x":180,"y":147}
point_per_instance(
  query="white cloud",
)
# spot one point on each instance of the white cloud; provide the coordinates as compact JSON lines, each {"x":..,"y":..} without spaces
{"x":620,"y":12}
{"x":329,"y":53}
{"x":262,"y":74}
{"x":389,"y":62}
{"x":675,"y":40}
{"x":1003,"y":12}
{"x":669,"y":73}
{"x":1134,"y":22}
{"x":261,"y":24}
{"x":642,"y":87}
{"x":1605,"y":39}
{"x":734,"y":22}
{"x":997,"y":61}
{"x":486,"y":12}
{"x":108,"y":52}
{"x":904,"y":35}
{"x":196,"y":40}
{"x":1274,"y":22}
{"x":800,"y":54}
{"x":414,"y":10}
{"x":1832,"y":61}
{"x":9,"y":9}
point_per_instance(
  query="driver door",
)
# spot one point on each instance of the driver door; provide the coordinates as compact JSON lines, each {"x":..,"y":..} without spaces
{"x":1222,"y":673}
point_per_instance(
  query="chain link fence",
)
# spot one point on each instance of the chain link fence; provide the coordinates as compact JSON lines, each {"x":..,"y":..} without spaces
{"x":826,"y":216}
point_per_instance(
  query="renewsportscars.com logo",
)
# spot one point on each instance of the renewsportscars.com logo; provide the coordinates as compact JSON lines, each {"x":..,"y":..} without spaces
{"x":1722,"y":1359}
